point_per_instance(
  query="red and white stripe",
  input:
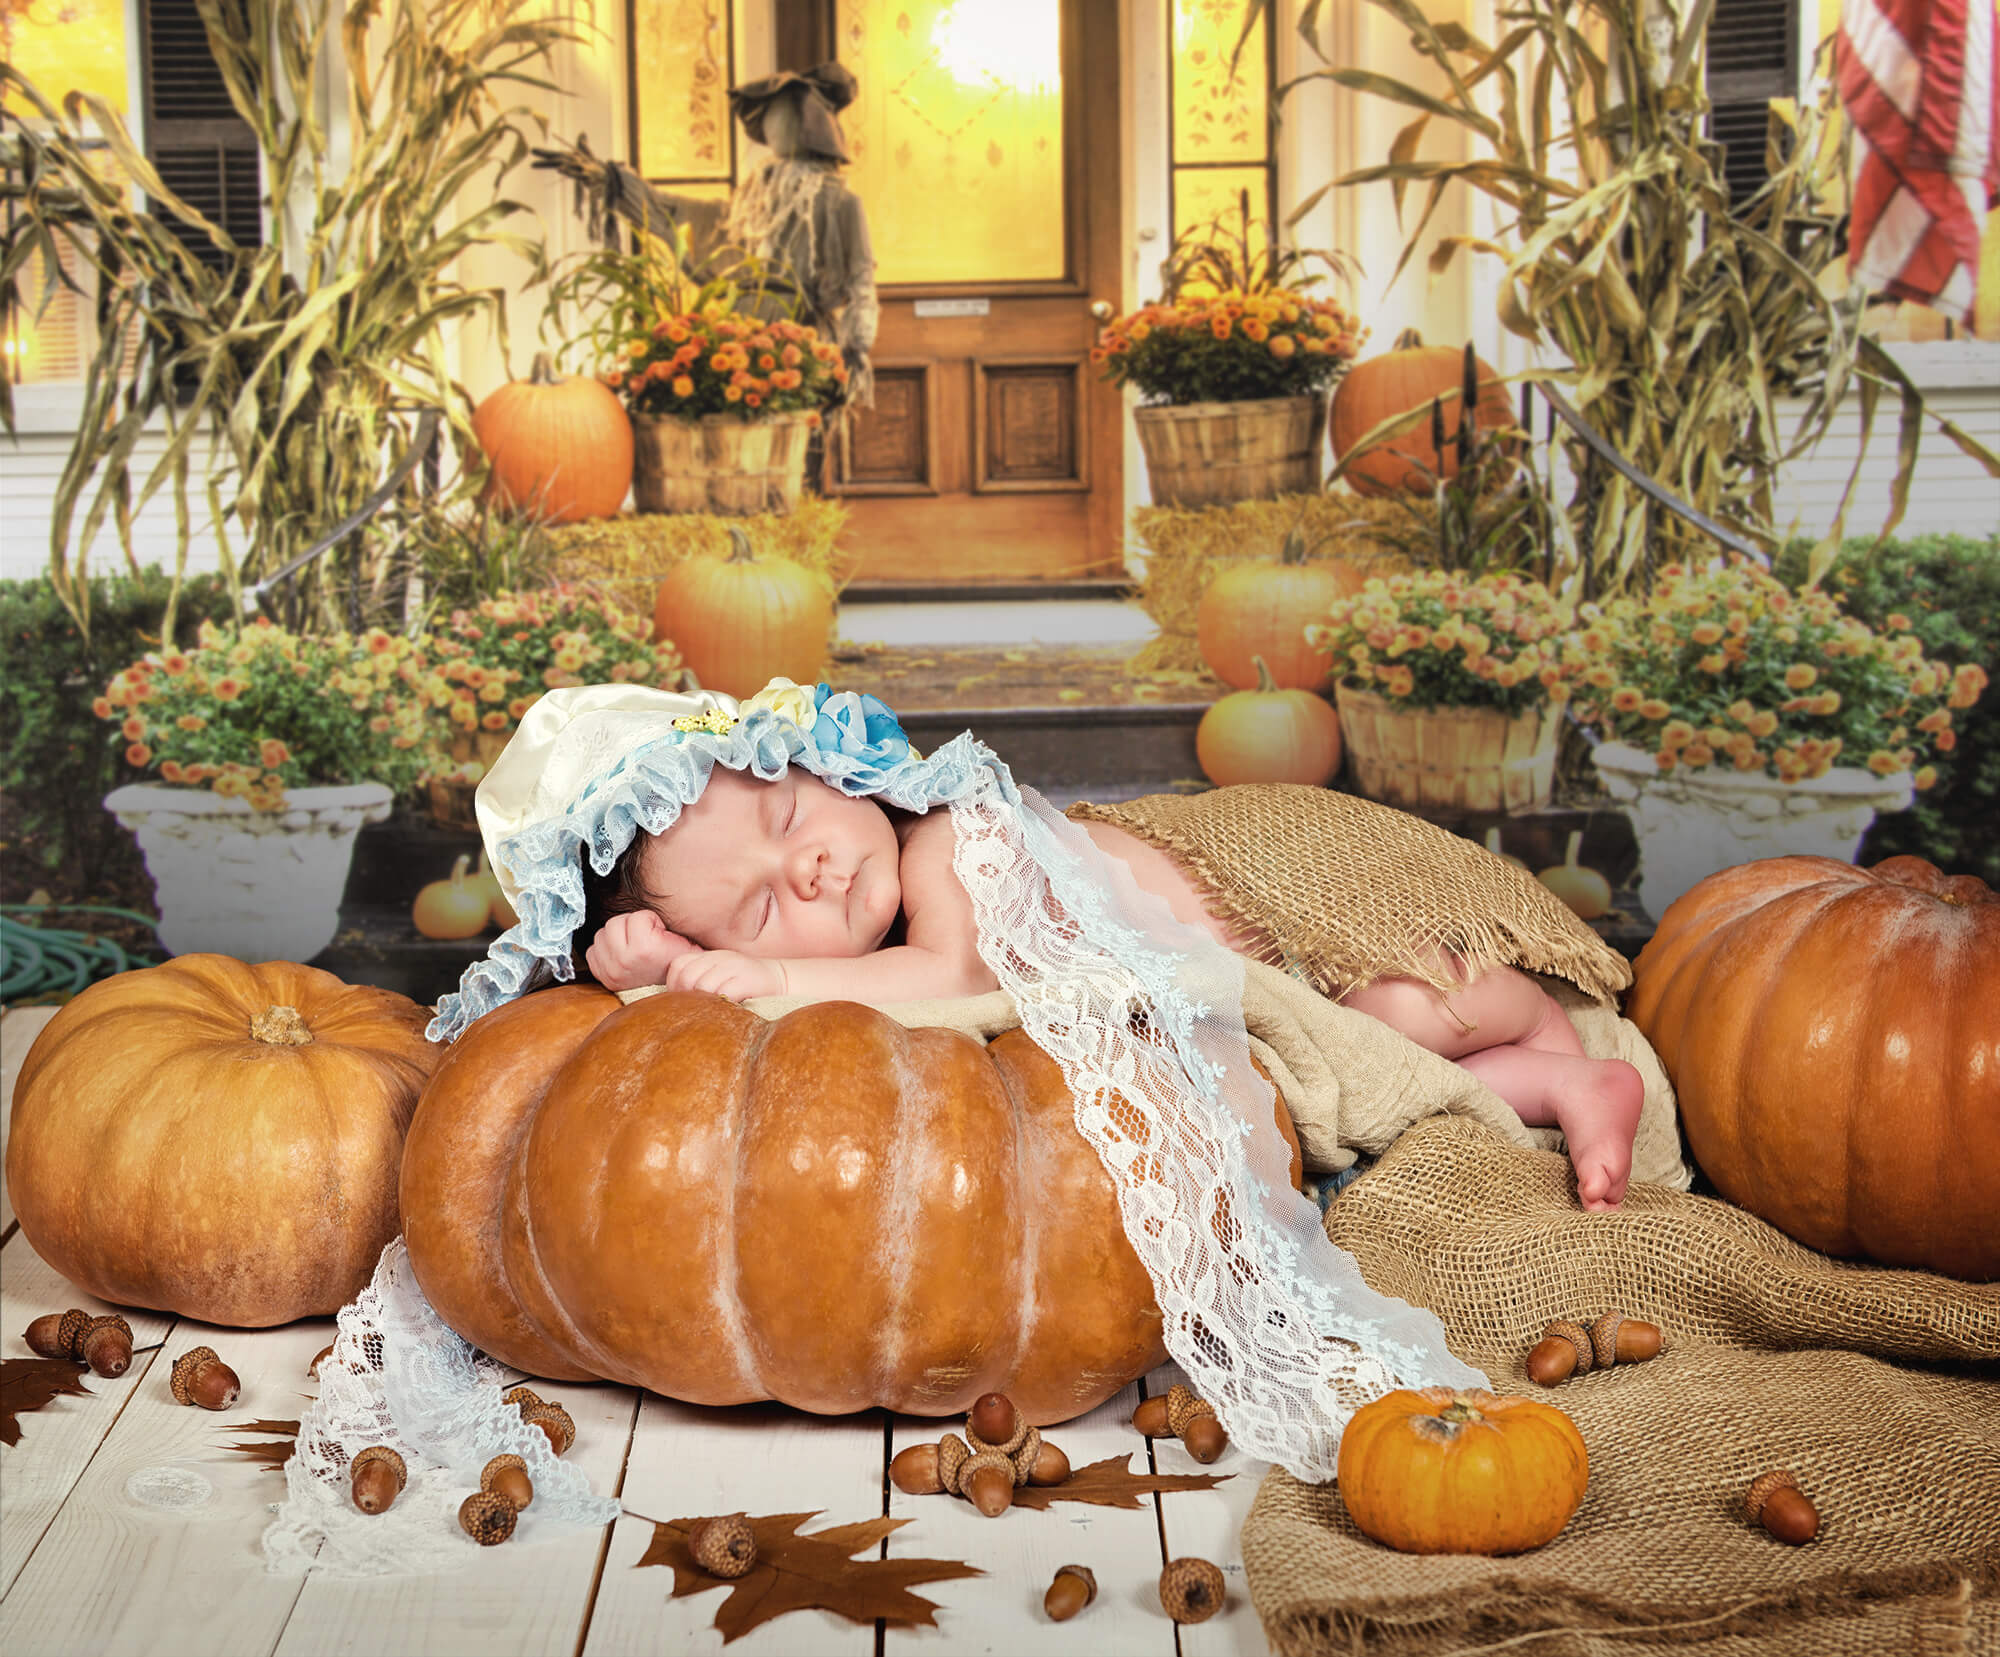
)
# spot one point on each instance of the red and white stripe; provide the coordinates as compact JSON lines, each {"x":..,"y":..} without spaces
{"x":1921,"y":83}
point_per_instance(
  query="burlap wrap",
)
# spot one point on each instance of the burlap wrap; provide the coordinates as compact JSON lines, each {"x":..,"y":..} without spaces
{"x":1777,"y":1357}
{"x":1351,"y":891}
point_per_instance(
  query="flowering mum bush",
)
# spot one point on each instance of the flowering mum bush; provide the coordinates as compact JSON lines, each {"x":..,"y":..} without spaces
{"x":253,"y":711}
{"x":1729,"y":667}
{"x":1230,"y":346}
{"x":487,"y":665}
{"x":712,"y":360}
{"x":1443,"y":639}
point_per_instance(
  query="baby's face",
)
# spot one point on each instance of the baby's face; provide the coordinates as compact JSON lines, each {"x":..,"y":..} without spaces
{"x":786,"y":868}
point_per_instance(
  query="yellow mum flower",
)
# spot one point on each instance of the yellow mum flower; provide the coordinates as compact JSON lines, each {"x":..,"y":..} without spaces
{"x":1800,"y":675}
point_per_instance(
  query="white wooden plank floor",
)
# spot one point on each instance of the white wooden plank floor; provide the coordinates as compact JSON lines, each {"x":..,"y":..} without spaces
{"x":87,"y":1567}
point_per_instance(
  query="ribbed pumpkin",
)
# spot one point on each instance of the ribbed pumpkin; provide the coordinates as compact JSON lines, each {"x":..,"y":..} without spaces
{"x":1833,"y":1036}
{"x":218,"y":1139}
{"x":1440,"y":1471}
{"x":1268,"y":735}
{"x":558,"y":447}
{"x":1263,"y":609}
{"x":742,"y":621}
{"x":827,"y":1209}
{"x":1411,"y":376}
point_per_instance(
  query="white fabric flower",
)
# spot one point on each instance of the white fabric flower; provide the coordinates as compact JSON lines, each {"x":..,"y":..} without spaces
{"x":787,"y":700}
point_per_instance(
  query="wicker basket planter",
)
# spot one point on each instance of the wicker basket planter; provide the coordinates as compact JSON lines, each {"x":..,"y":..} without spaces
{"x":1455,"y":759}
{"x":451,"y":795}
{"x":1202,"y":454}
{"x":719,"y":463}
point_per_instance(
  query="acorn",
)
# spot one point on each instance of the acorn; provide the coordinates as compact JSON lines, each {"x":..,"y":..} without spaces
{"x":1074,"y":1587}
{"x":508,"y":1476}
{"x":915,"y":1471}
{"x":1775,"y":1501}
{"x":319,"y":1357}
{"x":487,"y":1517}
{"x":1565,"y":1349}
{"x":723,"y":1547}
{"x":376,"y":1478}
{"x":554,"y":1420}
{"x":987,"y":1481}
{"x":1049,"y":1465}
{"x":1151,"y":1417}
{"x":994,"y":1424}
{"x":200,"y":1377}
{"x":69,"y":1333}
{"x":1191,"y":1589}
{"x":1616,"y":1339}
{"x":1193,"y":1421}
{"x":44,"y":1335}
{"x":107,"y":1346}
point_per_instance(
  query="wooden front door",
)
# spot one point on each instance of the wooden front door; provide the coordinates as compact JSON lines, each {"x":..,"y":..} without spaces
{"x":986,"y":151}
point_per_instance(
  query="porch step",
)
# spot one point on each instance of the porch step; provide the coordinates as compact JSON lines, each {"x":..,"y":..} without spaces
{"x":1005,"y":617}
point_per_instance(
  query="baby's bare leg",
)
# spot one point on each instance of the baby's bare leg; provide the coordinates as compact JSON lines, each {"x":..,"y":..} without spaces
{"x":1508,"y":1031}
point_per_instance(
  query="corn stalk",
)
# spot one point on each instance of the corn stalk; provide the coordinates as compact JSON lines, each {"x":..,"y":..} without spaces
{"x":283,"y":377}
{"x":1684,"y":322}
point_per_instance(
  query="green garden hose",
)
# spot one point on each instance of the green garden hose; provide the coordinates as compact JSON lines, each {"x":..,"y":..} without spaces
{"x":45,"y":960}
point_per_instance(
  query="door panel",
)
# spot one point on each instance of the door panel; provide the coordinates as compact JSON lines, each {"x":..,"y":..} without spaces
{"x":993,"y":451}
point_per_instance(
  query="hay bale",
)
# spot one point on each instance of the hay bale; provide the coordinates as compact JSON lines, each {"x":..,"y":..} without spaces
{"x":625,"y":557}
{"x":1184,"y":547}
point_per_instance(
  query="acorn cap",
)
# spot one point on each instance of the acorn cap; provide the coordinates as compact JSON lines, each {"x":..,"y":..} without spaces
{"x":388,"y":1457}
{"x":1762,"y":1488}
{"x":523,"y":1396}
{"x":1024,"y":1458}
{"x":1604,"y":1339}
{"x":1191,"y":1590}
{"x":554,"y":1419}
{"x":1184,"y":1406}
{"x":181,"y":1378}
{"x":1578,"y":1337}
{"x":724,"y":1546}
{"x":70,"y":1335}
{"x":952,"y":1457}
{"x":486,"y":1517}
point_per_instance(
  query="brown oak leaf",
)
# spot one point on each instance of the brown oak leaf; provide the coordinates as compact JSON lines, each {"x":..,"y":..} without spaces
{"x":273,"y":1452}
{"x":796,"y":1573}
{"x":28,"y":1383}
{"x":1112,"y":1483}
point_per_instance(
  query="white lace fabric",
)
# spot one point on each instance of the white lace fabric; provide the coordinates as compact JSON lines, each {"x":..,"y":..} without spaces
{"x":397,"y":1376}
{"x":1143,"y":1013}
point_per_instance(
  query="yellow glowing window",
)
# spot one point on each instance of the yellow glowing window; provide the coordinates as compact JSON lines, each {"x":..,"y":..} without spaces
{"x":680,"y":58}
{"x":66,"y":46}
{"x":1221,"y":102}
{"x":957,"y":137}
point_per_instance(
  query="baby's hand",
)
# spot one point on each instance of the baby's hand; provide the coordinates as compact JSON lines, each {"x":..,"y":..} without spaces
{"x":634,"y":949}
{"x":726,"y":972}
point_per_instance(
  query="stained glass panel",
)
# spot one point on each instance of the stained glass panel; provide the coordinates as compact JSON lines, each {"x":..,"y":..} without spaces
{"x":1219,"y":115}
{"x":957,"y":136}
{"x":680,"y":75}
{"x":1202,"y":194}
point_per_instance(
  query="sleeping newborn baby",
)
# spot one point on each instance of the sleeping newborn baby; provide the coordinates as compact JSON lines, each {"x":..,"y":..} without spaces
{"x":790,"y":887}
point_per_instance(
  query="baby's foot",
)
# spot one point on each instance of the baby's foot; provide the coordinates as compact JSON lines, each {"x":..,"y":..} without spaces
{"x":1599,"y":1116}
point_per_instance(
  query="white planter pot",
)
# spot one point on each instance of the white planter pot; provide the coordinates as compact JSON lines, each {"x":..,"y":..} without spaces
{"x":258,"y":885}
{"x":1690,"y":824}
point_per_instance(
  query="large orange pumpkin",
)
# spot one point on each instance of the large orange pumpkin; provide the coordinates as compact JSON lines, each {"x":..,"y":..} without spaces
{"x":1269,"y":735}
{"x":742,"y":621}
{"x":558,"y":447}
{"x":828,"y":1209}
{"x":1833,"y":1036}
{"x":1440,"y":1471}
{"x":1411,"y":376}
{"x":218,"y":1139}
{"x":1263,"y":609}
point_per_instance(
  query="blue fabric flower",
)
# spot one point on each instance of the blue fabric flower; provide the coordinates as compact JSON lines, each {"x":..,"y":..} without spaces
{"x":858,"y":739}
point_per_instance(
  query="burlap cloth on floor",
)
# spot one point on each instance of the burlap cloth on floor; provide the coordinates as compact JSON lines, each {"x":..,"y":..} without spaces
{"x":1879,"y":1389}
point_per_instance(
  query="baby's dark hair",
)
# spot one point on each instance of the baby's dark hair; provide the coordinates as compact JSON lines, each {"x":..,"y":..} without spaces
{"x":621,"y":892}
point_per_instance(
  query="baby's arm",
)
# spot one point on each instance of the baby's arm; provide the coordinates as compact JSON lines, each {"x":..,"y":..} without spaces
{"x":941,"y":957}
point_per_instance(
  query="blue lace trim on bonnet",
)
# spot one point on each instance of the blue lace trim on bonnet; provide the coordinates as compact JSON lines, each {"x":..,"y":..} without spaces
{"x":855,"y":743}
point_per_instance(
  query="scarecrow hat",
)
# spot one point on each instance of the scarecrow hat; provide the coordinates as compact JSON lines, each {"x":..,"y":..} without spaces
{"x":822,"y":93}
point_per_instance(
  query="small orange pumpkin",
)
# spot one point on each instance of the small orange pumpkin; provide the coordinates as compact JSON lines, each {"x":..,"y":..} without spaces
{"x":1263,"y":609}
{"x":499,"y":911}
{"x":742,"y":621}
{"x":453,"y":908}
{"x":1443,"y":1471}
{"x":558,"y":447}
{"x":1269,"y":735}
{"x":1410,"y":377}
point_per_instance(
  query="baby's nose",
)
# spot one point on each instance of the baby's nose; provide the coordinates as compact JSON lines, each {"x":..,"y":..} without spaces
{"x":808,"y":870}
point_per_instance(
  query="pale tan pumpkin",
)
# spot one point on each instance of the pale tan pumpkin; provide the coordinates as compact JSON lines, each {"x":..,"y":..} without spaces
{"x":1263,"y":609}
{"x":1577,"y":884}
{"x":1441,"y":1471}
{"x":1268,"y":735}
{"x":742,"y":621}
{"x":218,"y":1139}
{"x":454,"y":907}
{"x":1833,"y":1037}
{"x":1409,"y":377}
{"x":828,"y":1209}
{"x":560,"y":448}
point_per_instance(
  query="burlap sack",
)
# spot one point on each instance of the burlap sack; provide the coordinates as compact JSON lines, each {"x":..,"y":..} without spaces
{"x":1350,"y":890}
{"x":1777,"y":1357}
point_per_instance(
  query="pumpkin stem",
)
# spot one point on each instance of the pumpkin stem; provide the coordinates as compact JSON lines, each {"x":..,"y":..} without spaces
{"x":1409,"y":340}
{"x":739,"y":547}
{"x":278,"y":1026}
{"x":464,"y":862}
{"x":1575,"y":846}
{"x":1265,"y":683}
{"x":544,"y":370}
